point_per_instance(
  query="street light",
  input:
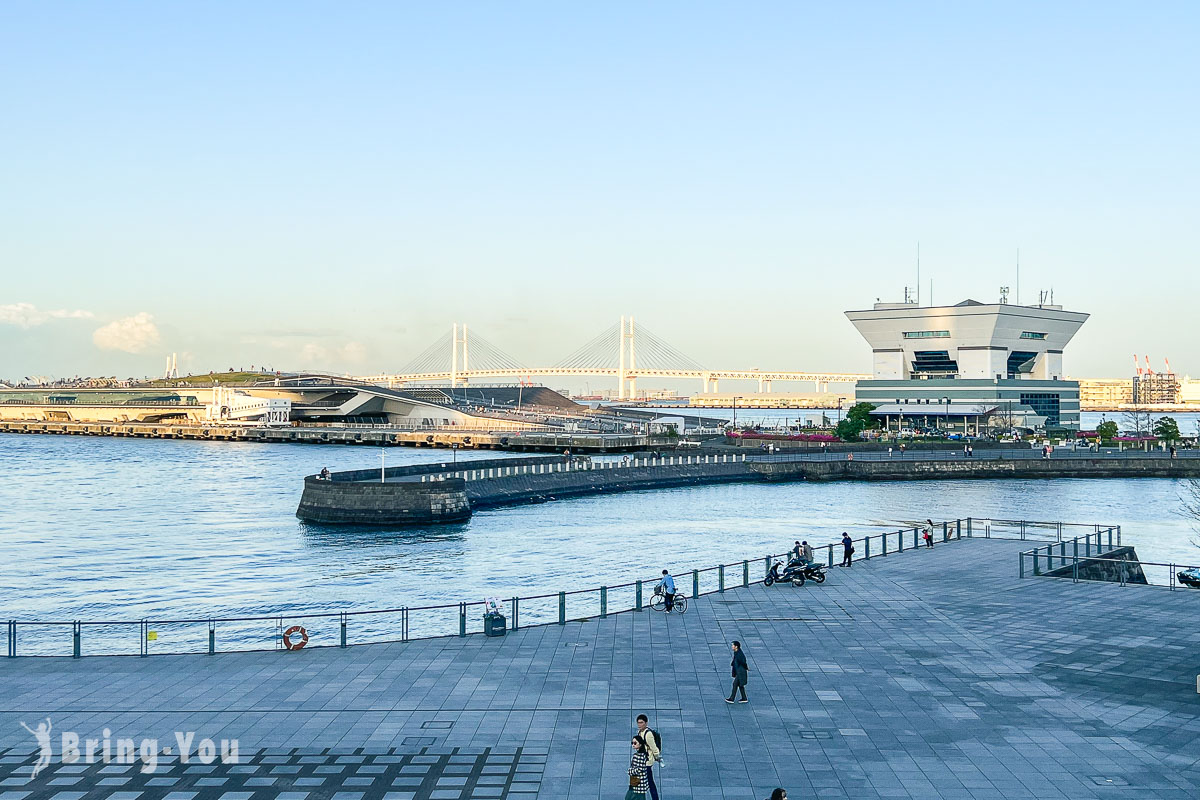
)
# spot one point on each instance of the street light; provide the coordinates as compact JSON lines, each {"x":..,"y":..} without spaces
{"x":735,"y":399}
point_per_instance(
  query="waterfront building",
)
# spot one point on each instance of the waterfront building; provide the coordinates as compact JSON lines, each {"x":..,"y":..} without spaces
{"x":1104,"y":394}
{"x":1155,"y":389}
{"x":999,"y":361}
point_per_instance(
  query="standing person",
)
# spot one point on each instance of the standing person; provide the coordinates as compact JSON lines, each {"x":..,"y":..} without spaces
{"x":971,"y":450}
{"x":929,"y":538}
{"x":806,"y":553}
{"x":740,"y":670}
{"x":668,"y":587}
{"x":653,"y":744}
{"x":847,"y":549}
{"x":637,"y":772}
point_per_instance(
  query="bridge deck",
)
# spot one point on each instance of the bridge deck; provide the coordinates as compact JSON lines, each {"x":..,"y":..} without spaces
{"x":924,"y":674}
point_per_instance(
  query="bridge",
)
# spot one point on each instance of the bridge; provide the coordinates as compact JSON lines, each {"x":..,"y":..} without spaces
{"x":623,"y":351}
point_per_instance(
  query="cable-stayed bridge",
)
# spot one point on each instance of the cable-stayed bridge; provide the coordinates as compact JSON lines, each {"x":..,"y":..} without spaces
{"x":624,"y":351}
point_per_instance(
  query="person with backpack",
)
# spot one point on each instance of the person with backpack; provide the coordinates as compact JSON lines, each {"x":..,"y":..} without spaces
{"x":652,"y":743}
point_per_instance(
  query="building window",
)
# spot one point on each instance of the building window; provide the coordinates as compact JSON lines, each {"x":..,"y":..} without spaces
{"x":933,"y":361}
{"x":1044,"y":404}
{"x":1020,"y":361}
{"x":1032,"y":335}
{"x":927,"y":334}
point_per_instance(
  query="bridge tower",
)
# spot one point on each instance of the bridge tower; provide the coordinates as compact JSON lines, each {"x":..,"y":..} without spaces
{"x":455,"y":341}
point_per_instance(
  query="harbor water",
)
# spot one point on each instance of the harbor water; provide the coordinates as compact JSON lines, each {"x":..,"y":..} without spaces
{"x":98,"y":529}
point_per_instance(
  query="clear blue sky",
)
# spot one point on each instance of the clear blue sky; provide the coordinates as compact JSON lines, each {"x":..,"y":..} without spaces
{"x":331,"y":185}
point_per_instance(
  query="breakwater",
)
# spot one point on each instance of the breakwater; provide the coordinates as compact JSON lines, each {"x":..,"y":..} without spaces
{"x":445,"y":492}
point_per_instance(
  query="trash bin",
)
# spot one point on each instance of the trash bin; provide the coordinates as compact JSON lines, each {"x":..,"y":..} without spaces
{"x":495,"y":625}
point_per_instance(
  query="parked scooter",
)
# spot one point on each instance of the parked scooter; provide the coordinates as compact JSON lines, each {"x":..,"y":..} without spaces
{"x":814,"y":572}
{"x":791,"y":574}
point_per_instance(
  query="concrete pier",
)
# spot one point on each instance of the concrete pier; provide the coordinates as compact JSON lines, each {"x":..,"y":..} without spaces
{"x":898,"y":678}
{"x":497,"y":482}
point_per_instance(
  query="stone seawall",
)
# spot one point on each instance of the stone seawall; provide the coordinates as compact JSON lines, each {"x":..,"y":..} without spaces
{"x":968,"y":468}
{"x":375,"y":503}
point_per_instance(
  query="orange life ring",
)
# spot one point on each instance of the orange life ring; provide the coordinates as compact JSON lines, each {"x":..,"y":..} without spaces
{"x":287,"y":638}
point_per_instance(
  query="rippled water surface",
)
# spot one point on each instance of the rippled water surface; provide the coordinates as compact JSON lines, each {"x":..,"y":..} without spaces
{"x":98,"y":528}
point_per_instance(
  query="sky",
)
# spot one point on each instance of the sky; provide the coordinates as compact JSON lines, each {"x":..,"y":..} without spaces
{"x":330,"y":186}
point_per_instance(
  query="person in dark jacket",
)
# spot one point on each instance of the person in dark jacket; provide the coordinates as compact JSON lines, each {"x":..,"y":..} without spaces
{"x":740,"y":671}
{"x":847,"y":549}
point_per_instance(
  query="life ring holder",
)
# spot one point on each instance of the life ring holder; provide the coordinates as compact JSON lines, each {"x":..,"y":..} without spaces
{"x":288,"y":644}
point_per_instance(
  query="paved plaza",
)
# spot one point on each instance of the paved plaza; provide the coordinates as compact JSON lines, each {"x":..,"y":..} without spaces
{"x":924,"y":674}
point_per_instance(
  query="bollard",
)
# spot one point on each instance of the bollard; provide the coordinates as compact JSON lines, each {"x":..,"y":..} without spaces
{"x":745,"y":573}
{"x":343,"y":631}
{"x":638,"y":595}
{"x":721,"y":578}
{"x":212,"y":637}
{"x":562,"y":608}
{"x":695,"y":583}
{"x":603,"y":602}
{"x":75,"y":637}
{"x":516,"y":612}
{"x":462,"y":619}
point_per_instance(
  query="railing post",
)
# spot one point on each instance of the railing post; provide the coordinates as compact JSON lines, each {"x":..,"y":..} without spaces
{"x":76,"y":636}
{"x":1110,"y":544}
{"x":1172,"y":577}
{"x":1021,"y":569}
{"x":1062,"y":554}
{"x":900,"y":541}
{"x":638,"y":597}
{"x":866,"y":547}
{"x":1036,"y":571}
{"x":766,"y":566}
{"x":212,"y":637}
{"x":603,"y":602}
{"x":462,"y":619}
{"x":945,"y":532}
{"x":12,"y":638}
{"x":344,"y":619}
{"x":695,"y":583}
{"x":1075,"y":568}
{"x":968,"y":527}
{"x":721,"y":578}
{"x":1022,"y":530}
{"x":883,"y":537}
{"x":404,"y":624}
{"x":958,"y":529}
{"x":745,"y":573}
{"x":1087,"y":545}
{"x":562,"y":608}
{"x":1118,"y":536}
{"x":830,"y":548}
{"x":516,"y":612}
{"x":915,"y":545}
{"x":1075,"y":551}
{"x":1059,"y":530}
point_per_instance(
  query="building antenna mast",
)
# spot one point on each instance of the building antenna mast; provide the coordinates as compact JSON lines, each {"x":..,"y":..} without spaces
{"x":1018,"y":276}
{"x":918,"y":274}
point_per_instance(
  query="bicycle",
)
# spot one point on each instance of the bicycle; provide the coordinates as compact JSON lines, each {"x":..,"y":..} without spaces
{"x":659,"y":601}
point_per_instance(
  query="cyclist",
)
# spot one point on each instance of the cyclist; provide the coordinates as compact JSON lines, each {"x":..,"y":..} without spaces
{"x":668,"y":589}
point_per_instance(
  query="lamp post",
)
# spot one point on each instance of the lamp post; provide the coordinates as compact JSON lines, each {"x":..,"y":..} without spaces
{"x":735,"y":399}
{"x":454,"y":453}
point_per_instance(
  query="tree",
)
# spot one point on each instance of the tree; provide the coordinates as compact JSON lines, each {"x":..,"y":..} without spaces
{"x":848,"y":430}
{"x":861,"y":413}
{"x":1167,"y":428}
{"x":1106,"y":430}
{"x":1138,"y":422}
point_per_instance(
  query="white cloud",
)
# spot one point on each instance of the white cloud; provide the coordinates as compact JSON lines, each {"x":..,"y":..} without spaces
{"x":128,"y":334}
{"x":314,"y":355}
{"x":27,"y":315}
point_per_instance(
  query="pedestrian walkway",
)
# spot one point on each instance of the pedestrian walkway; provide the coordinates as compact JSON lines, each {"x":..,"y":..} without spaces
{"x":924,"y":674}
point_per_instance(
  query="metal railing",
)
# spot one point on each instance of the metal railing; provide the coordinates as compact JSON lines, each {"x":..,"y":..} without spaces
{"x":1089,"y":558}
{"x":343,"y":628}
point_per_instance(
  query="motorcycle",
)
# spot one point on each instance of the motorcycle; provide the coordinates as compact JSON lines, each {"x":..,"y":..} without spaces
{"x":791,"y":574}
{"x":814,"y":572}
{"x":1189,"y":577}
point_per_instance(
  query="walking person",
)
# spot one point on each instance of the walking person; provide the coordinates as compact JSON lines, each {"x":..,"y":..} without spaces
{"x":741,"y":671}
{"x":847,"y":549}
{"x":637,"y":771}
{"x":653,"y":746}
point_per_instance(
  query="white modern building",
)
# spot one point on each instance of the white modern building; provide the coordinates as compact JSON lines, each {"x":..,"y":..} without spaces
{"x":1000,"y":360}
